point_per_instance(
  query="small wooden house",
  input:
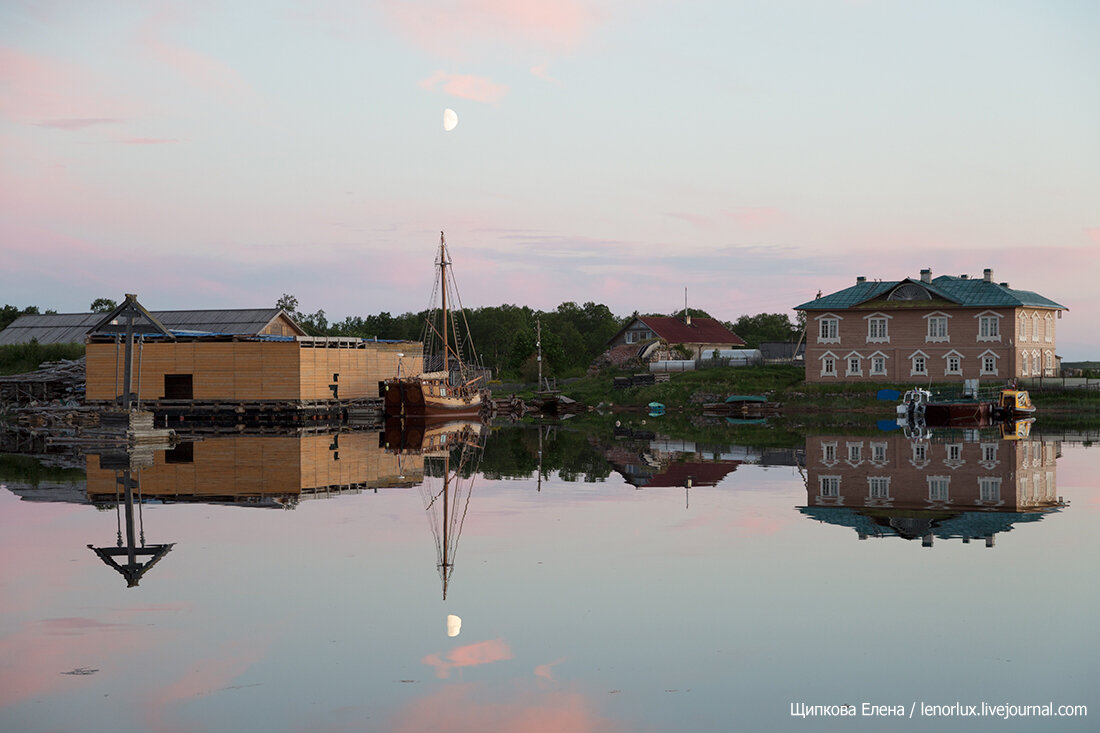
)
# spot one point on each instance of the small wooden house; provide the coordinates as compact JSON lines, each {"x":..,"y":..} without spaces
{"x":236,"y":364}
{"x":249,"y":469}
{"x":694,"y":333}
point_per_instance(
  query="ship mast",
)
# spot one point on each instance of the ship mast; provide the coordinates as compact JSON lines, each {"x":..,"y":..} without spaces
{"x":443,"y":290}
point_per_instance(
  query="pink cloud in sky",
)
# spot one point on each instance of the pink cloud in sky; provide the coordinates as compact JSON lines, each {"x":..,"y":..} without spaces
{"x":545,"y":671}
{"x":471,"y":655}
{"x":465,"y":86}
{"x":754,"y":217}
{"x":201,"y":71}
{"x":36,"y":89}
{"x":202,"y":677}
{"x":1093,"y":234}
{"x":453,"y":28}
{"x":148,"y":141}
{"x":542,"y":71}
{"x":466,"y":710}
{"x":78,"y":123}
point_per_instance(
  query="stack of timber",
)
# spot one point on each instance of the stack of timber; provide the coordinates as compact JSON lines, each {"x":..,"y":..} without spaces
{"x":53,"y":380}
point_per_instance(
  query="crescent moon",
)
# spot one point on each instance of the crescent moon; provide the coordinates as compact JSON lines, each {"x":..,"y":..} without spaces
{"x":450,"y":120}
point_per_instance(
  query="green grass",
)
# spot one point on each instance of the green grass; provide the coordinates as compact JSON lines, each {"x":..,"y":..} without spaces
{"x":20,"y":358}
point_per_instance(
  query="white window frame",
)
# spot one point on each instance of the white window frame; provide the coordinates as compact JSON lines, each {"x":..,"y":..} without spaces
{"x":931,"y":334}
{"x":919,"y":459}
{"x":989,"y":322}
{"x":983,"y":362}
{"x":1024,"y":362}
{"x":855,"y":454}
{"x":880,"y":323}
{"x":828,"y":487}
{"x":1035,"y":324}
{"x":1048,"y":363}
{"x":913,"y":372}
{"x":989,"y":490}
{"x":953,"y":455}
{"x":828,"y":359}
{"x":879,"y":453}
{"x":1023,"y":328}
{"x":947,"y":370}
{"x":828,"y":454}
{"x":878,"y":487}
{"x":878,"y":358}
{"x":848,"y":360}
{"x":828,"y":323}
{"x":1049,"y":333}
{"x":989,"y":455}
{"x":939,"y":489}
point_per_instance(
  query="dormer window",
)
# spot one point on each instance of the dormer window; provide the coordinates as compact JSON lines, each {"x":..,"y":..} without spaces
{"x":909,"y":291}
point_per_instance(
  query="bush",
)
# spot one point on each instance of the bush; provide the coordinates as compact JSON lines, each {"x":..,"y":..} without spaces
{"x":21,"y":358}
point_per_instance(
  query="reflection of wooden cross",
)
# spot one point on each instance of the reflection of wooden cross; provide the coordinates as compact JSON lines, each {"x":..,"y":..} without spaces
{"x":132,"y":570}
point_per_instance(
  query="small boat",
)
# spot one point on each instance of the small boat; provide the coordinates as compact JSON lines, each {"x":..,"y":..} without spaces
{"x":971,"y":408}
{"x":450,"y":384}
{"x":743,"y":406}
{"x":656,"y":409}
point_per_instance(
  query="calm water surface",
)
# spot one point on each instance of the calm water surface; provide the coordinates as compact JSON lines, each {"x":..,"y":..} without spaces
{"x":634,"y":584}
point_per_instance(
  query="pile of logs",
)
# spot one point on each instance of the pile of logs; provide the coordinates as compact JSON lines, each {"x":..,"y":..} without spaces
{"x":53,"y":380}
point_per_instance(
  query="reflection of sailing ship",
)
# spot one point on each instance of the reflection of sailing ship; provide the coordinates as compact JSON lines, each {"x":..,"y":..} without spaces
{"x":128,"y":478}
{"x":964,"y":484}
{"x":449,"y":385}
{"x":450,"y":451}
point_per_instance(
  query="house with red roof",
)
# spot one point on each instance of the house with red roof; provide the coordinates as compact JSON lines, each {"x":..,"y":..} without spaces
{"x":696,"y":334}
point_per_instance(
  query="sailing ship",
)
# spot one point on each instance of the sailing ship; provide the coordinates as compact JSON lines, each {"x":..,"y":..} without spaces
{"x":451,"y":452}
{"x":450,"y":386}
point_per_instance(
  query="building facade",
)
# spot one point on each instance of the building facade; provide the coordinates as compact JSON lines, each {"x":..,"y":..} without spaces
{"x":696,"y":334}
{"x":945,"y":329}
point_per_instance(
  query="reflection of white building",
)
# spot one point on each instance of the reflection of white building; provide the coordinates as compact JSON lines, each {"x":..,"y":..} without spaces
{"x":966,"y":485}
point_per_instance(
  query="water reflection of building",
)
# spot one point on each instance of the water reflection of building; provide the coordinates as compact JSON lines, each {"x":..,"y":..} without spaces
{"x":659,"y":463}
{"x":957,"y":485}
{"x":264,"y":470}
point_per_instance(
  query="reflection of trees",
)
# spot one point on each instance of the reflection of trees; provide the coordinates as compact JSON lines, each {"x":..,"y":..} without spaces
{"x":514,"y":453}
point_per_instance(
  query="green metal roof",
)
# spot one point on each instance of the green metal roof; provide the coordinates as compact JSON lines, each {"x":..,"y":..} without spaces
{"x":962,"y":291}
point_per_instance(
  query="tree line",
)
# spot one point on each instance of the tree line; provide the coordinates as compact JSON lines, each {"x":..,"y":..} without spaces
{"x":504,"y":336}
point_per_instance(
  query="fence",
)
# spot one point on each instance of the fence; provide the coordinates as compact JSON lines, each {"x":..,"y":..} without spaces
{"x":1040,"y":384}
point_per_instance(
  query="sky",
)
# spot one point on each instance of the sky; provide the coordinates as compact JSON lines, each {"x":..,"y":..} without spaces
{"x":209,"y":154}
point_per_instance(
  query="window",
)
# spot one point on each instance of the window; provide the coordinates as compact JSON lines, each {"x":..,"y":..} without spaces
{"x":1023,"y":363}
{"x":1050,"y":329}
{"x":828,"y":453}
{"x":878,"y":365}
{"x":989,"y":489}
{"x":638,"y":335}
{"x":878,"y":487}
{"x":1023,"y":327}
{"x":989,"y":328}
{"x":1036,"y":327}
{"x":829,"y":487}
{"x":828,"y":366}
{"x":828,"y":330}
{"x":937,"y":329}
{"x":855,"y":365}
{"x":954,"y":457}
{"x":878,"y":453}
{"x":855,"y":453}
{"x":1050,"y":363}
{"x":919,"y":365}
{"x":954,"y":364}
{"x":938,"y":488}
{"x":989,"y":364}
{"x":920,"y":455}
{"x":877,"y":329}
{"x":989,"y":453}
